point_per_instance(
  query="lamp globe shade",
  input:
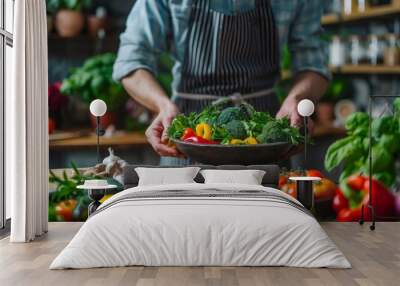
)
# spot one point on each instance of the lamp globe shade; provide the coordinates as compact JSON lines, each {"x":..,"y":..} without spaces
{"x":98,"y":107}
{"x":305,"y":107}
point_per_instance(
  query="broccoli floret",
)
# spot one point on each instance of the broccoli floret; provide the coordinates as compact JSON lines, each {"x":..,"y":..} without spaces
{"x":229,"y":114}
{"x":246,"y":111}
{"x":272,"y":132}
{"x":236,"y":129}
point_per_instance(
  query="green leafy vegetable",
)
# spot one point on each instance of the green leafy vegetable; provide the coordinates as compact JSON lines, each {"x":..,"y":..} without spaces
{"x":94,"y":80}
{"x":353,"y":150}
{"x":237,"y":123}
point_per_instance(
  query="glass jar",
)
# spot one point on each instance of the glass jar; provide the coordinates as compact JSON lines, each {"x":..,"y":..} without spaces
{"x":357,"y":51}
{"x":376,"y":48}
{"x":392,"y":51}
{"x":337,"y":52}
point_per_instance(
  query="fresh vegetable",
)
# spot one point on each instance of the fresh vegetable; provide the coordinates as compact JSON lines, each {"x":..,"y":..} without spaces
{"x":199,"y":140}
{"x":94,"y":80}
{"x":339,"y":202}
{"x":314,"y":173}
{"x":324,"y":189}
{"x":204,"y":130}
{"x":64,"y":210}
{"x":229,"y":114}
{"x":189,"y":132}
{"x":250,"y":140}
{"x":353,"y":150}
{"x":224,"y":125}
{"x":279,"y":131}
{"x":355,"y":194}
{"x":236,"y":129}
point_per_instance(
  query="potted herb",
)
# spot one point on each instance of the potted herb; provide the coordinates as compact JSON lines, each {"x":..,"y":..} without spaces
{"x":69,"y":20}
{"x":94,"y":80}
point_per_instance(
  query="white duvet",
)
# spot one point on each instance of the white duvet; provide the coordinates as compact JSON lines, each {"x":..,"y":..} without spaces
{"x":202,"y":231}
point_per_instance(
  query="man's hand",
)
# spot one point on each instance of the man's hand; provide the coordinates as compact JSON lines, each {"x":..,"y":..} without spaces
{"x":289,"y":109}
{"x":307,"y":84}
{"x":157,"y":132}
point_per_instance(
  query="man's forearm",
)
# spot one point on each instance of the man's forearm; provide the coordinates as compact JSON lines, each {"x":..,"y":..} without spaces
{"x":309,"y":85}
{"x":144,"y":88}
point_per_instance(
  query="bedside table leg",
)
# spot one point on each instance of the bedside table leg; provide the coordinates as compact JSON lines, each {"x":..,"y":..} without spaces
{"x":305,"y":193}
{"x":95,"y":196}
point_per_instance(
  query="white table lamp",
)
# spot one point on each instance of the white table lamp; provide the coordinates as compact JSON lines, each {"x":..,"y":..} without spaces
{"x":98,"y":108}
{"x":305,"y":109}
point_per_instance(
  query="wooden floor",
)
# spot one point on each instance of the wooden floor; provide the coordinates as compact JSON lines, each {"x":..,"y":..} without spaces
{"x":375,"y":257}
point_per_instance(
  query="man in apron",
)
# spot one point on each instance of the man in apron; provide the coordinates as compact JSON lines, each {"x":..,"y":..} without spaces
{"x":221,"y":48}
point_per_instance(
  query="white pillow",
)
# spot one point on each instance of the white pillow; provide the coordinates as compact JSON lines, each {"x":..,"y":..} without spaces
{"x":166,"y":176}
{"x":248,"y":177}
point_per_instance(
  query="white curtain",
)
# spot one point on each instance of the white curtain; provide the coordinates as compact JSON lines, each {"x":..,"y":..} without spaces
{"x":27,"y":125}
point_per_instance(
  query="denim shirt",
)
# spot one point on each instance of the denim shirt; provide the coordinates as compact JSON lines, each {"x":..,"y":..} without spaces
{"x":156,"y":26}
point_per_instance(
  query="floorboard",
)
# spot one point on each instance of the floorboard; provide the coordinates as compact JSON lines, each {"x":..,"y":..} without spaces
{"x":375,"y":257}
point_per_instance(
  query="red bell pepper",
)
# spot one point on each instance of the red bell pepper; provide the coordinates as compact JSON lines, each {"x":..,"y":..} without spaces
{"x":339,"y":201}
{"x":189,"y":132}
{"x":382,"y":200}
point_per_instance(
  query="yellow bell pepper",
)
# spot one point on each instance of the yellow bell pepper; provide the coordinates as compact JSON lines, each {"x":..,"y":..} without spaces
{"x":204,"y":130}
{"x":236,"y":142}
{"x":250,"y":140}
{"x":106,"y":197}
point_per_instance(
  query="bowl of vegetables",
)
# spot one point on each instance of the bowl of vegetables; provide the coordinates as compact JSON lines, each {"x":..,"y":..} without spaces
{"x":234,"y":135}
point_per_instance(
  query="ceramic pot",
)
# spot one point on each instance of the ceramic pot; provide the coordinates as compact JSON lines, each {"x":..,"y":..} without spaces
{"x":69,"y":23}
{"x":325,"y":112}
{"x":110,"y":118}
{"x":95,"y":24}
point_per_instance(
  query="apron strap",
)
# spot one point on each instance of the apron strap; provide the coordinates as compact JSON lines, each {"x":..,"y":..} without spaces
{"x":236,"y":98}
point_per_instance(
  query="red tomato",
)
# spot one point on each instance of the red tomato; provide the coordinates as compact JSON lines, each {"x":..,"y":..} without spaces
{"x":52,"y":126}
{"x":339,"y":202}
{"x":282,"y":180}
{"x":314,"y":173}
{"x":189,"y":132}
{"x":356,"y":183}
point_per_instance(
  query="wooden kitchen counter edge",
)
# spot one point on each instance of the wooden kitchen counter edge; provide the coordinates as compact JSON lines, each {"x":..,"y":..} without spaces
{"x":127,"y":139}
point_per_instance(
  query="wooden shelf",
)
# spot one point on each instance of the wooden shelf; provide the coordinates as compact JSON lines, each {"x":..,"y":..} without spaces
{"x":322,"y":131}
{"x":366,"y":69}
{"x":119,"y":139}
{"x":354,"y":69}
{"x":370,"y":13}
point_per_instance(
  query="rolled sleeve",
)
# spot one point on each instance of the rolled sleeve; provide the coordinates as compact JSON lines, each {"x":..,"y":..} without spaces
{"x":308,"y":50}
{"x":144,"y":39}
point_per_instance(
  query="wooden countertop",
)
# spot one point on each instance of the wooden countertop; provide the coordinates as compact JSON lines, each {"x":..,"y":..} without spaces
{"x":81,"y":140}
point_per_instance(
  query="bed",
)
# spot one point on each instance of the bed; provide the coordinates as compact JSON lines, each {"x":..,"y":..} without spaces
{"x":197,"y":224}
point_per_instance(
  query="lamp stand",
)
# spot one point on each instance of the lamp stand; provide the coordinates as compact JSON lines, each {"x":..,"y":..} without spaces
{"x":305,"y":138}
{"x":98,"y":133}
